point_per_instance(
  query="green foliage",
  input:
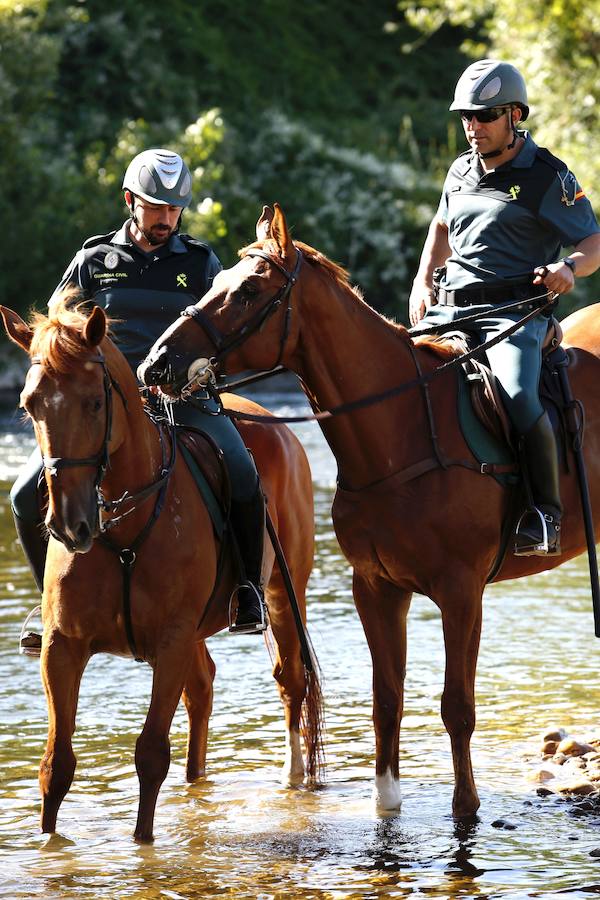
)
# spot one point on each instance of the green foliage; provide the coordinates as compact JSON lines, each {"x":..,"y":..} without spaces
{"x":336,"y":109}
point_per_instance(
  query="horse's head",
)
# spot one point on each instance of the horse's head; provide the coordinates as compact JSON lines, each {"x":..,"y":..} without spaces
{"x":67,"y":395}
{"x":243,"y":322}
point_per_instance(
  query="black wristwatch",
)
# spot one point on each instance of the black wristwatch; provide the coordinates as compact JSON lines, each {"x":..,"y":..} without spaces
{"x":568,"y":261}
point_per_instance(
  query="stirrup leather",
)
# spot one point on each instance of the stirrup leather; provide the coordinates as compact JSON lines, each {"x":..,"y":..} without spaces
{"x":249,"y":627}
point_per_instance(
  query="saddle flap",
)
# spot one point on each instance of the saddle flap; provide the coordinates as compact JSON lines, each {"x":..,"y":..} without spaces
{"x":205,"y":461}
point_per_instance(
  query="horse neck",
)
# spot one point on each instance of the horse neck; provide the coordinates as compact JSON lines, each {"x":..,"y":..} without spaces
{"x":347,"y":351}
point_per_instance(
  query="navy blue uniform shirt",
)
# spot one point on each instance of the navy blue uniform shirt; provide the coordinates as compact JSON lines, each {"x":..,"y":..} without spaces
{"x":504,"y":223}
{"x":143,"y":293}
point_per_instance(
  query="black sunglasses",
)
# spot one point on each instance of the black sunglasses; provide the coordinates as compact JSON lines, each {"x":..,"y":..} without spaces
{"x":483,"y":115}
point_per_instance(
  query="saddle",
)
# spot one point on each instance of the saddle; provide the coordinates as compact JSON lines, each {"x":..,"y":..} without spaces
{"x":205,"y":461}
{"x":485,"y":396}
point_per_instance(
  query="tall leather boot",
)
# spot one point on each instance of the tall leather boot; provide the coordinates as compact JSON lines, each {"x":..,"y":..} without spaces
{"x":35,"y":548}
{"x":248,"y":521}
{"x":538,"y":529}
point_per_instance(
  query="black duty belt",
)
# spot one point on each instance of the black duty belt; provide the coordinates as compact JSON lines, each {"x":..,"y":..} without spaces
{"x":487,"y":293}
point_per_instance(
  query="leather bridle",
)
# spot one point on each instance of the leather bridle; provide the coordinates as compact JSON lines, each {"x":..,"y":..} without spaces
{"x":224,"y":344}
{"x":100,"y":460}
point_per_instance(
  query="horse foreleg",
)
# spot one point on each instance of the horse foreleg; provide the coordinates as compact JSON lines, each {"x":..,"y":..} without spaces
{"x":198,"y":699}
{"x":288,"y":672}
{"x":383,"y":608}
{"x":62,"y":664}
{"x":462,"y":628}
{"x":153,"y":749}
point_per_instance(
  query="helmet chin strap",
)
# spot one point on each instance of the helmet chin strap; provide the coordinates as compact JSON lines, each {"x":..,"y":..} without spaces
{"x":494,"y":153}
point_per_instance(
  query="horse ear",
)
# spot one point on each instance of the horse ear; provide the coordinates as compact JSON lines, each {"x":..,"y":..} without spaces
{"x":263,"y":226}
{"x":16,"y":328}
{"x":280,"y":233}
{"x":95,"y":327}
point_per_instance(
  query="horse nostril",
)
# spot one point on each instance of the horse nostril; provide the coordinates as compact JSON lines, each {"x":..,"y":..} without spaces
{"x":83,"y":534}
{"x":153,"y":366}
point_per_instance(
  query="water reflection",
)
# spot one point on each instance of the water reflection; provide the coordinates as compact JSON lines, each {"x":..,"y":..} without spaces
{"x":239,"y":833}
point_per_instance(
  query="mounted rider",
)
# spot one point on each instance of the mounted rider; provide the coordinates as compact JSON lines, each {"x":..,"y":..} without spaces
{"x":506,"y":210}
{"x":143,"y":275}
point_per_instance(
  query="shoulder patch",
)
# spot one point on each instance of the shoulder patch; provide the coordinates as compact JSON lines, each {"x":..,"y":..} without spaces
{"x":190,"y":241}
{"x":98,"y":239}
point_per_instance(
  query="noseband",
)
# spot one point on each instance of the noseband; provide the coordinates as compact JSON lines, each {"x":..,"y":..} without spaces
{"x":224,"y":344}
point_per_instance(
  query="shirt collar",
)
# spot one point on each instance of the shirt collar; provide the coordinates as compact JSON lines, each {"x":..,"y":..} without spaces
{"x":123,"y":238}
{"x":523,"y":160}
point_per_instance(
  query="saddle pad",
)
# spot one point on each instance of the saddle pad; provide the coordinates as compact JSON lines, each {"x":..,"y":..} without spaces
{"x":483,"y":445}
{"x":210,"y":493}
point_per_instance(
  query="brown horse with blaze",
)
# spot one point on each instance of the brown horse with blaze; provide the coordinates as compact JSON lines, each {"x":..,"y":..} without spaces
{"x":92,"y":430}
{"x":406,"y":522}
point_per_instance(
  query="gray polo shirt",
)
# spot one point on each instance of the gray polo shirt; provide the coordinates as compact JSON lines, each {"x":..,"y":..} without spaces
{"x":504,"y":223}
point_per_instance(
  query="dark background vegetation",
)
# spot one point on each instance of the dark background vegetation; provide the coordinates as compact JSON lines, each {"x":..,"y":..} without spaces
{"x":336,"y":109}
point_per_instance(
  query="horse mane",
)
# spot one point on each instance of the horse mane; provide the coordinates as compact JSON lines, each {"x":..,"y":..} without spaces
{"x":440,"y":345}
{"x":58,"y":341}
{"x":333,"y":270}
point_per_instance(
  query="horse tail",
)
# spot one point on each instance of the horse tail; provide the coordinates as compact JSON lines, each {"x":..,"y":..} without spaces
{"x":312,"y":723}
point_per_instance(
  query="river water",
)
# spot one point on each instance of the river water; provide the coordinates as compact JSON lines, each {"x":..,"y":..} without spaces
{"x":239,"y":834}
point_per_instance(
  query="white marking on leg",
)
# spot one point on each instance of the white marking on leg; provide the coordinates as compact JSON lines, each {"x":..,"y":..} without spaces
{"x":386,"y":792}
{"x":292,"y":772}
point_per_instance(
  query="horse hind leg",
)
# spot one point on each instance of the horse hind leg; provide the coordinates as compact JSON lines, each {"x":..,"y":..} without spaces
{"x":62,"y":664}
{"x":288,"y":672}
{"x":299,"y":690}
{"x":383,"y":608}
{"x":198,"y":699}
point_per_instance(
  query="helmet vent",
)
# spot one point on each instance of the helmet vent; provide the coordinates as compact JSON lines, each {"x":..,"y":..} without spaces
{"x":186,"y":186}
{"x":169,"y":169}
{"x":491,"y":89}
{"x":146,"y":180}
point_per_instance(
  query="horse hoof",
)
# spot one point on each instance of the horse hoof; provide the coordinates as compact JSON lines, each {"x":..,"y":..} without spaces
{"x":386,"y":793}
{"x":292,"y":779}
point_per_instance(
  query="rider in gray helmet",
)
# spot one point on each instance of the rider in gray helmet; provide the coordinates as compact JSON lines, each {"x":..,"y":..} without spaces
{"x":143,"y":275}
{"x":507,"y":210}
{"x":160,"y":177}
{"x":491,"y":84}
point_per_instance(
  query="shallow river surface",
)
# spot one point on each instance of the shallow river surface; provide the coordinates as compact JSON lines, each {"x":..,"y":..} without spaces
{"x":239,"y":834}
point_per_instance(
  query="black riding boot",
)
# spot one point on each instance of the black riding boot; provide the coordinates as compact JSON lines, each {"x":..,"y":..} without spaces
{"x":248,"y":521}
{"x":35,"y":548}
{"x":538,"y":530}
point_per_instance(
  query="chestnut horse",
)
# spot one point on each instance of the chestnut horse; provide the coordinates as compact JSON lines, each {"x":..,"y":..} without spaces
{"x":79,"y":393}
{"x":404,"y":523}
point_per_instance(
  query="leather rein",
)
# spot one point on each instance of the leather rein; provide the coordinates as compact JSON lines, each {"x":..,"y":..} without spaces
{"x":225,"y":343}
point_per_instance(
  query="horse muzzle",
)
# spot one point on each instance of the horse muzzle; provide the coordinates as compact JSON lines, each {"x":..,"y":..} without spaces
{"x":158,"y":370}
{"x":175,"y":377}
{"x":76,"y":538}
{"x":74,"y":524}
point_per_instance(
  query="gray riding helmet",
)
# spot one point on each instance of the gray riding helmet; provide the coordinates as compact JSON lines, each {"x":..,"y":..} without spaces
{"x":159,"y":176}
{"x":488,"y":83}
